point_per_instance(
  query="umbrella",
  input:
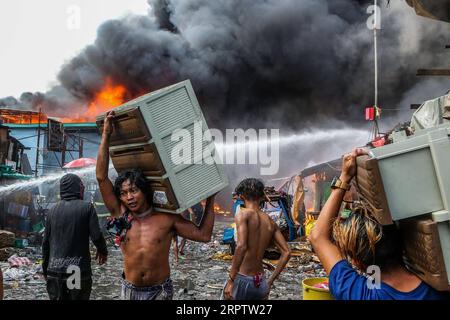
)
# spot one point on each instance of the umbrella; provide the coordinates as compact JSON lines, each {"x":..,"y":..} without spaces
{"x":80,"y":163}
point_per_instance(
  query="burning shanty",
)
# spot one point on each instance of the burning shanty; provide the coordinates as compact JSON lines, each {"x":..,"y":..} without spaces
{"x":123,"y":150}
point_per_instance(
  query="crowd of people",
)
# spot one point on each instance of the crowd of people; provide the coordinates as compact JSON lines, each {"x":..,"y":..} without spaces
{"x":346,"y":245}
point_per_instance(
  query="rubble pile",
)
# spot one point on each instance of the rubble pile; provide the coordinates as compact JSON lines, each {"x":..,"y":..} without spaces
{"x":5,"y":253}
{"x":22,"y":275}
{"x":6,"y":242}
{"x":6,"y":239}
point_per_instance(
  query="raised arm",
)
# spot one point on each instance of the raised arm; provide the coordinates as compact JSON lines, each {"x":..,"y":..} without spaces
{"x":106,"y":186}
{"x":190,"y":231}
{"x":321,"y":234}
{"x":241,"y":249}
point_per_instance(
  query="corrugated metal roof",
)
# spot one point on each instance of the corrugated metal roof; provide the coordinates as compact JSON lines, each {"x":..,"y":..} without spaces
{"x":6,"y":172}
{"x":87,"y":125}
{"x":331,"y":166}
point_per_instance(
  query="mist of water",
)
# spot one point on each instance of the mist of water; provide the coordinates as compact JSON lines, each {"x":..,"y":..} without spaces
{"x":307,"y":137}
{"x":42,"y":180}
{"x":297,"y":151}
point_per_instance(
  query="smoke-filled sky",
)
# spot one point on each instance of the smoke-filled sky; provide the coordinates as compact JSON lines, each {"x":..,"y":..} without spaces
{"x":303,"y":66}
{"x":37,"y":37}
{"x":287,"y":63}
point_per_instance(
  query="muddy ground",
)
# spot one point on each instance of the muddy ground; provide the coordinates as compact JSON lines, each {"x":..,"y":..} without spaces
{"x":199,"y":274}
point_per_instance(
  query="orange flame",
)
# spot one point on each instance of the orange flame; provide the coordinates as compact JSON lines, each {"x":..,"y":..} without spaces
{"x":21,"y":117}
{"x":217,"y":208}
{"x":108,"y":98}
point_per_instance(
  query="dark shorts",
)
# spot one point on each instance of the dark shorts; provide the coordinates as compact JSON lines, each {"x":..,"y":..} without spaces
{"x":246,"y":288}
{"x":58,"y":288}
{"x":163,"y":291}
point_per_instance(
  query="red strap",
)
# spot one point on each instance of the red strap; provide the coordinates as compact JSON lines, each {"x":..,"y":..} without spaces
{"x":257,"y":279}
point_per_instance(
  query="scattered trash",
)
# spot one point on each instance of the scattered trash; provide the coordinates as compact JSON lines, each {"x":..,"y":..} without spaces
{"x":309,"y":224}
{"x":216,"y":287}
{"x":6,"y":239}
{"x":222,"y":256}
{"x":13,"y":274}
{"x":39,"y":227}
{"x":16,"y":261}
{"x":215,"y":268}
{"x":18,"y":274}
{"x":21,"y":243}
{"x":5,"y":253}
{"x":189,"y":284}
{"x":201,"y":276}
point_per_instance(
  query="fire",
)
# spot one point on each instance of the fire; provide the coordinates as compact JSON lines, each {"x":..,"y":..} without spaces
{"x":217,"y":208}
{"x":21,"y":117}
{"x":108,"y":98}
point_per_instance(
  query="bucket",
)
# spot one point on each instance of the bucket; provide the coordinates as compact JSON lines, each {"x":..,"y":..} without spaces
{"x":312,"y":293}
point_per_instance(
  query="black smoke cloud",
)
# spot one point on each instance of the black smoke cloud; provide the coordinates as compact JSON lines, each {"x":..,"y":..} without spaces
{"x":253,"y":62}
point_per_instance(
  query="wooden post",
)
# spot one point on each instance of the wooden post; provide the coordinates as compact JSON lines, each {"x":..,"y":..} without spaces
{"x":63,"y":154}
{"x":80,"y":147}
{"x":38,"y":143}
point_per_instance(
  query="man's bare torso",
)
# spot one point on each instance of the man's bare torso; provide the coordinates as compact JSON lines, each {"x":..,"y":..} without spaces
{"x":261,"y":229}
{"x":146,"y":249}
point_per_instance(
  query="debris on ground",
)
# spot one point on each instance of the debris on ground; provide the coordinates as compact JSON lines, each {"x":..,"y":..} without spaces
{"x":200,"y":275}
{"x":15,"y":261}
{"x":222,"y":256}
{"x":7,"y":239}
{"x":5,"y":253}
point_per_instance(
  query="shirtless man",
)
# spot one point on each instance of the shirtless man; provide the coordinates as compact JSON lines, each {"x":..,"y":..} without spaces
{"x":256,"y":231}
{"x":144,"y":234}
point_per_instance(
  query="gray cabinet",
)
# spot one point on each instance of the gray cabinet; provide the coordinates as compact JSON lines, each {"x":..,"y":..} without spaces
{"x":163,"y":134}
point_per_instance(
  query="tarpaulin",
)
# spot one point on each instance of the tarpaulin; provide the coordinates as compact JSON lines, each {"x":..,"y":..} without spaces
{"x":432,"y":113}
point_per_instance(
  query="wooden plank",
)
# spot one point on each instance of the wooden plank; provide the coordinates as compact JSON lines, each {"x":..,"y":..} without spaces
{"x":433,"y":72}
